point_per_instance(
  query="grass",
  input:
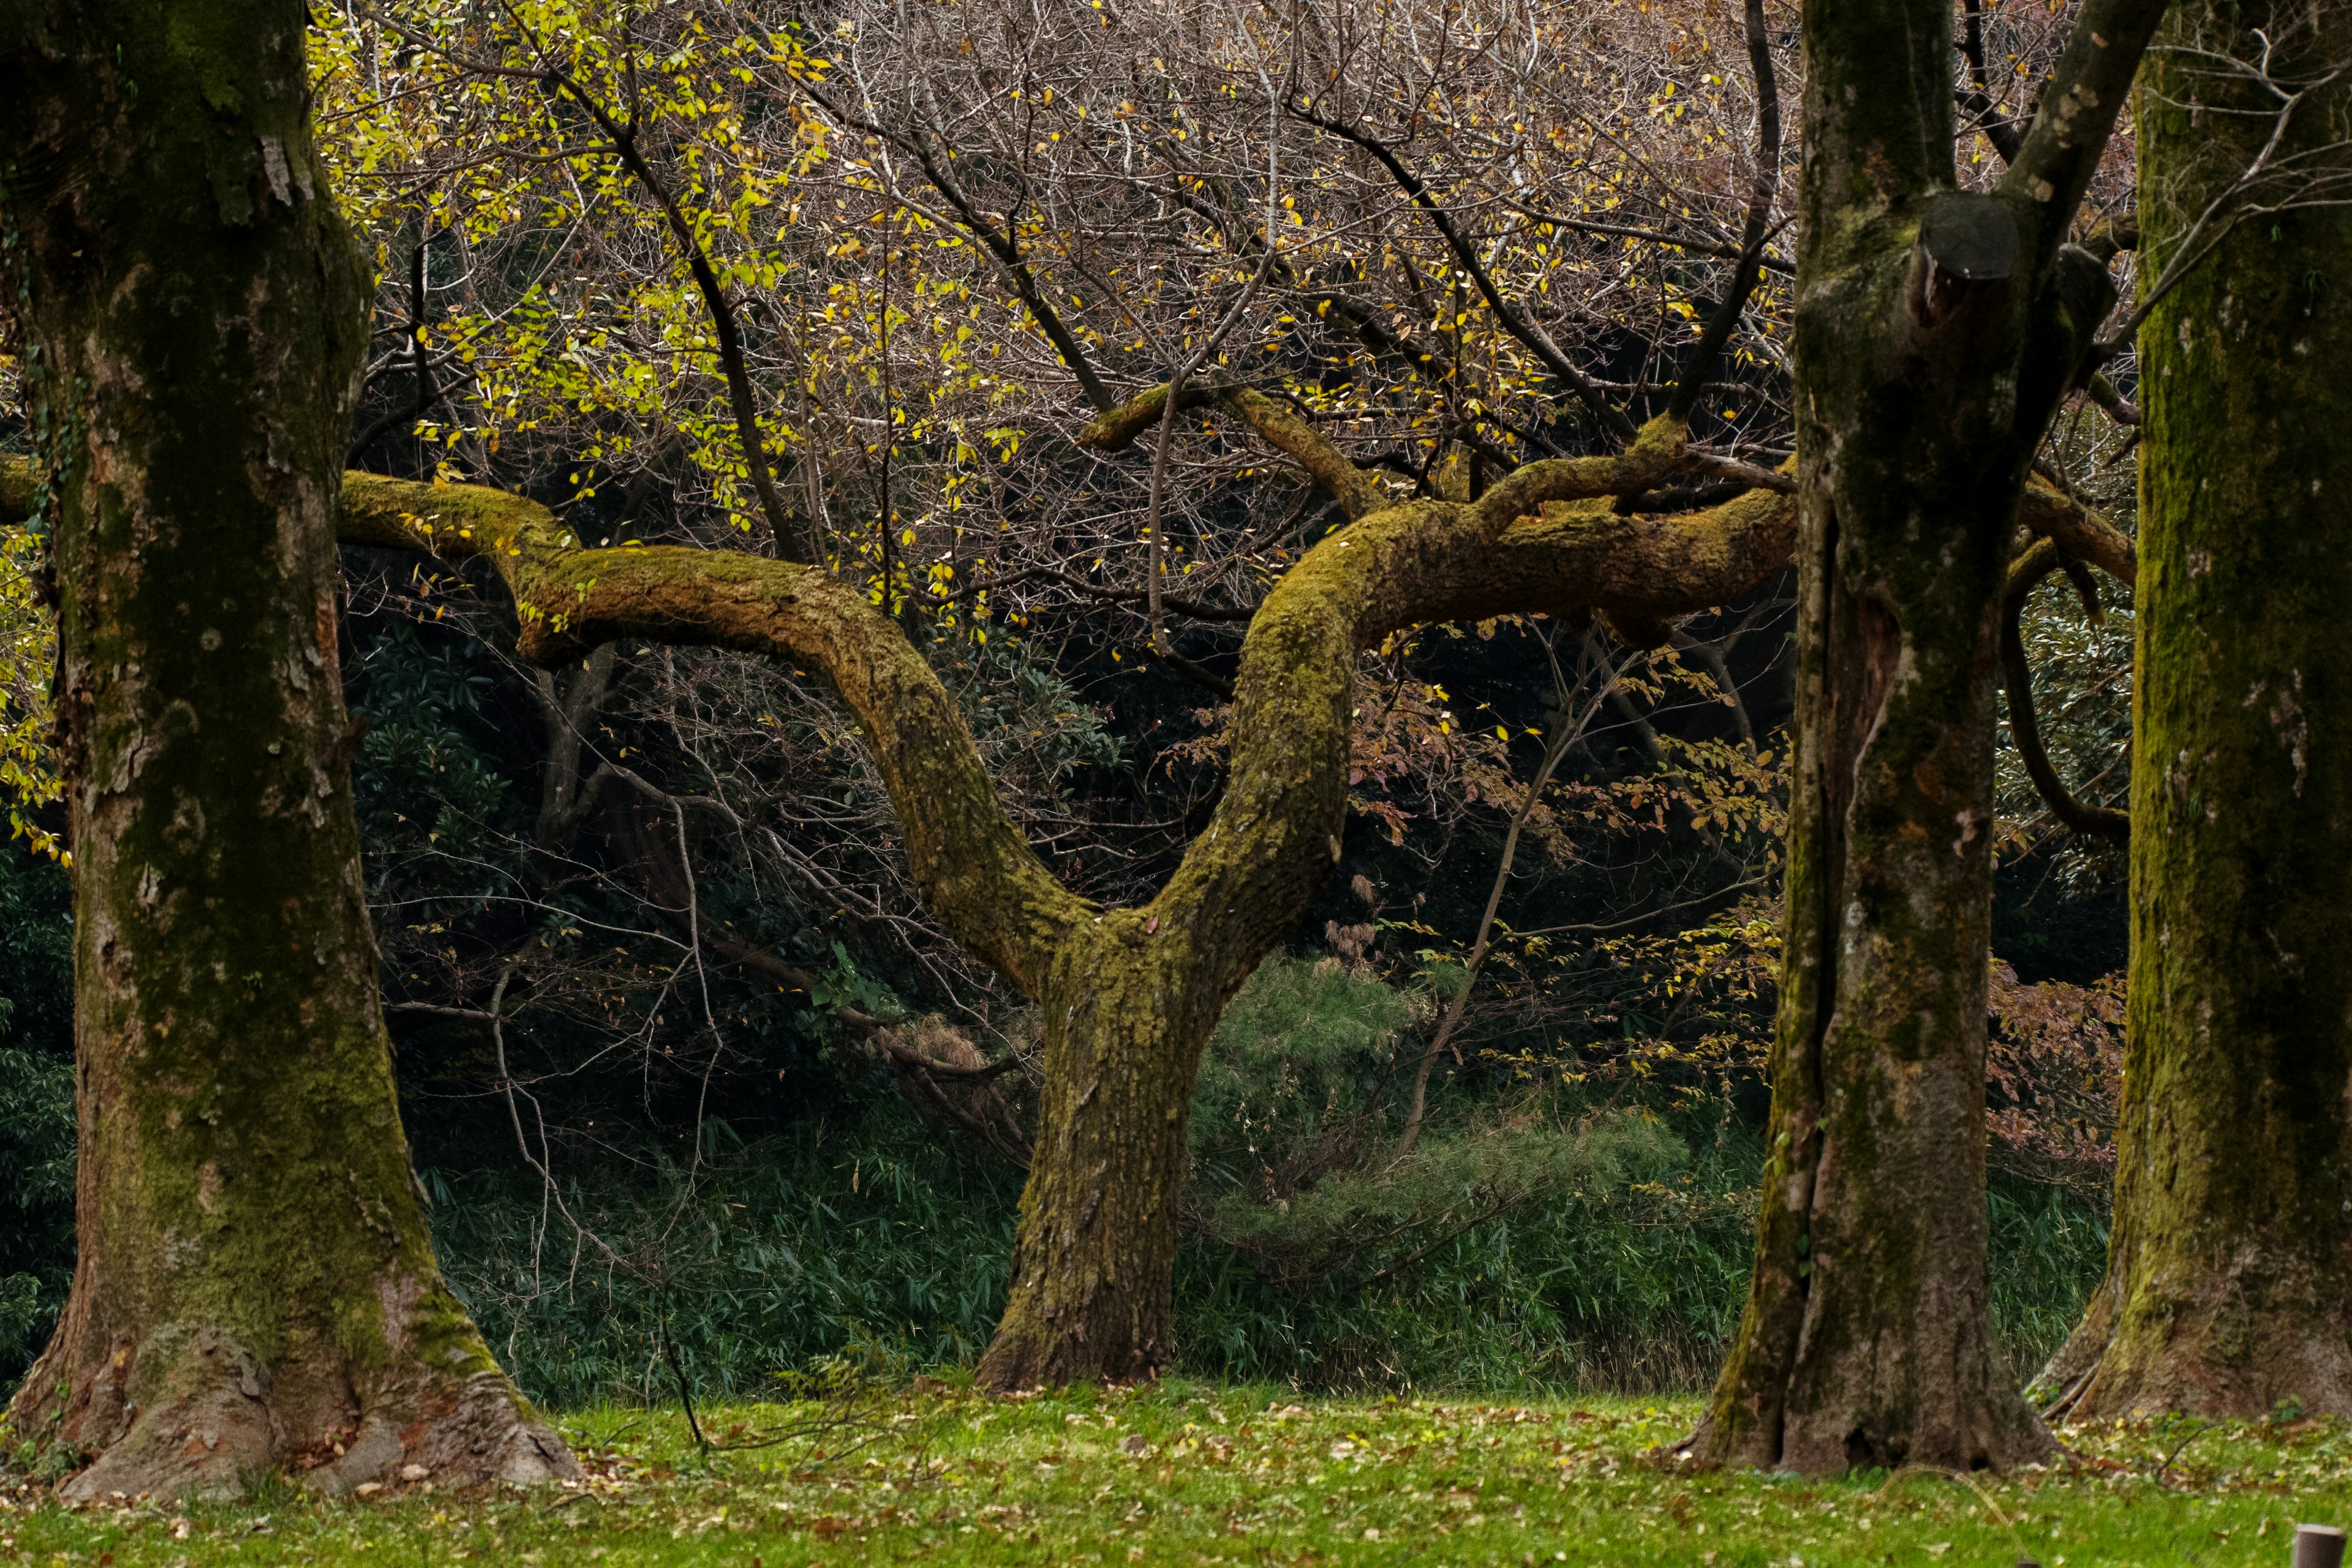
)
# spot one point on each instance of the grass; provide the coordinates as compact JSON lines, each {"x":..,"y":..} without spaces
{"x":1198,"y":1474}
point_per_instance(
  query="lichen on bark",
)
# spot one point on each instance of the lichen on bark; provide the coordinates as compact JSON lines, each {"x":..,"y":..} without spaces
{"x":2229,"y":1281}
{"x":1936,"y":331}
{"x":254,"y":1289}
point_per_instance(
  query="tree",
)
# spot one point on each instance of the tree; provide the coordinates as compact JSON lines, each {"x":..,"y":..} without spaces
{"x":1129,"y":996}
{"x":255,"y":1287}
{"x":2229,"y":1282}
{"x":1937,"y":331}
{"x":892,"y":328}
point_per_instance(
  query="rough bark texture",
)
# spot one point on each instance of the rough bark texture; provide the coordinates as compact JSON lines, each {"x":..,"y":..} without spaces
{"x":254,"y":1289}
{"x":2229,"y":1283}
{"x":1129,"y":995}
{"x":1936,"y":331}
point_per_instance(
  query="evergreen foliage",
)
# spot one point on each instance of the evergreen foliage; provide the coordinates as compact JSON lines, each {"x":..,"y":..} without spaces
{"x":37,"y":1108}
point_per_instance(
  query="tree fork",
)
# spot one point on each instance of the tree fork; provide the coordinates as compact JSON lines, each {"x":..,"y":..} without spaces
{"x":1130,"y":995}
{"x":254,"y":1289}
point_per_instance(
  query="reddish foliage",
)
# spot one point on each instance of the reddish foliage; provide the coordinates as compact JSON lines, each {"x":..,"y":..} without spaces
{"x":2055,"y":1072}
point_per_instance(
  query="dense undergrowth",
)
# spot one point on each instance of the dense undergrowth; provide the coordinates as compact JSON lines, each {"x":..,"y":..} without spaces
{"x":881,"y":1244}
{"x":1196,"y":1473}
{"x":1538,"y":1238}
{"x":1541,"y":1237}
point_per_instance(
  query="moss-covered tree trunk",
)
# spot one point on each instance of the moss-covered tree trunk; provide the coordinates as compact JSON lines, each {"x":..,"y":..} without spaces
{"x":254,"y":1289}
{"x":1124,"y":1020}
{"x":2229,"y":1285}
{"x":1936,"y":331}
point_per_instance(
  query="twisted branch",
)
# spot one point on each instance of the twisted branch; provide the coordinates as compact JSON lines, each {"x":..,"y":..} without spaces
{"x":1547,"y":538}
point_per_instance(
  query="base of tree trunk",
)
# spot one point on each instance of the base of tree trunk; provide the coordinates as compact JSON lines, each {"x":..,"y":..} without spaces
{"x":1986,"y":1428}
{"x":189,"y":1412}
{"x":1093,"y":1292}
{"x":1112,"y":1346}
{"x":2235,"y":1340}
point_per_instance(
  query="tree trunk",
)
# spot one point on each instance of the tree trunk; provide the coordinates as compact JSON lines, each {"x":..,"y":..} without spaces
{"x":1125,"y":1024}
{"x":254,"y":1289}
{"x":2228,"y":1284}
{"x":1935,"y":333}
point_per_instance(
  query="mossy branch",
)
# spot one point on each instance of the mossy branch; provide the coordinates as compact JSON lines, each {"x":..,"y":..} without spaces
{"x":2078,"y":530}
{"x":1550,"y":542}
{"x":978,"y":876}
{"x":1355,"y":488}
{"x":1657,"y":449}
{"x":1546,"y":539}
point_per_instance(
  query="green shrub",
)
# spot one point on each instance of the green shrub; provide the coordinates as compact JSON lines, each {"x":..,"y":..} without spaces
{"x":37,"y":1193}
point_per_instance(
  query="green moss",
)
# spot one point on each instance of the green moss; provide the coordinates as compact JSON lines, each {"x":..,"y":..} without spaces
{"x":249,"y":1229}
{"x":2235,"y":1145}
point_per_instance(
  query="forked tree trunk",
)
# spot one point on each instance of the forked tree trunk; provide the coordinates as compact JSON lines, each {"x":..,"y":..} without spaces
{"x":1129,"y":996}
{"x":2228,"y":1284}
{"x":1935,"y":334}
{"x":254,"y":1289}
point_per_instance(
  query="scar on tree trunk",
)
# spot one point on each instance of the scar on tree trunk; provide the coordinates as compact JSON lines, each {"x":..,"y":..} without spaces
{"x":254,"y":1289}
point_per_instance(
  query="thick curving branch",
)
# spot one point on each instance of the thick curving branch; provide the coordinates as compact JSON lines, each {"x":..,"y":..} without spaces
{"x":978,"y":876}
{"x":1545,"y":539}
{"x":2024,"y":729}
{"x":1357,"y":492}
{"x":2079,"y":531}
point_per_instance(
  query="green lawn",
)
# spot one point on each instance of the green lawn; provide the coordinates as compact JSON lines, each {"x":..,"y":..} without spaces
{"x":1190,"y":1474}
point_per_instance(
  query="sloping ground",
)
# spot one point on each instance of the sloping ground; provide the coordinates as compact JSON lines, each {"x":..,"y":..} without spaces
{"x":1196,"y":1474}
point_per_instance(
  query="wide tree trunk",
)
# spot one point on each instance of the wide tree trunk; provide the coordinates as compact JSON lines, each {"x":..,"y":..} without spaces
{"x":1125,"y":1024}
{"x":254,"y":1289}
{"x":1936,"y":331}
{"x":2228,"y":1284}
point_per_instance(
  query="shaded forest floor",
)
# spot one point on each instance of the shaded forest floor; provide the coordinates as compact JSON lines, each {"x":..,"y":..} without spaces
{"x":1195,"y":1474}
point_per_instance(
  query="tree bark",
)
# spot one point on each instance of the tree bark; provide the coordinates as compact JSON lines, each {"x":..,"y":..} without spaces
{"x":2229,"y":1283}
{"x":1126,"y":1017}
{"x":254,"y":1289}
{"x":1936,"y":331}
